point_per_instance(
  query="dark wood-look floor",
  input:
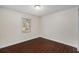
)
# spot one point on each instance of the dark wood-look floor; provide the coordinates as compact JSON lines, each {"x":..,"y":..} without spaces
{"x":77,"y":51}
{"x":39,"y":45}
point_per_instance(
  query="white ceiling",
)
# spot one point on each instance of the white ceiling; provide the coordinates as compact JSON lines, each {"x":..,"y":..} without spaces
{"x":44,"y":10}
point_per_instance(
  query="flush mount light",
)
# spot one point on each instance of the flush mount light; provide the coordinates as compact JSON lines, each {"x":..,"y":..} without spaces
{"x":37,"y":6}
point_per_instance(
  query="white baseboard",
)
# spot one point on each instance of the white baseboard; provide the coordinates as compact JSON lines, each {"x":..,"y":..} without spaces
{"x":57,"y":40}
{"x":8,"y":43}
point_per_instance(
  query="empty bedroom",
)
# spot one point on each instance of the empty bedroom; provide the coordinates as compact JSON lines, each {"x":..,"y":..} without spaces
{"x":39,"y":29}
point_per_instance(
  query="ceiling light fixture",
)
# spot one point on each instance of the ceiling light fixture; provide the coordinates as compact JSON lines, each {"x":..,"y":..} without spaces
{"x":37,"y":6}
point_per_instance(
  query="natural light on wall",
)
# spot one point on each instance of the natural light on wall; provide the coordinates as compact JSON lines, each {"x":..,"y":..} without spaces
{"x":26,"y":25}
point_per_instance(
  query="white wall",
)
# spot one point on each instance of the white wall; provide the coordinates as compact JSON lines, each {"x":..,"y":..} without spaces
{"x":78,"y":28}
{"x":10,"y":27}
{"x":61,"y":26}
